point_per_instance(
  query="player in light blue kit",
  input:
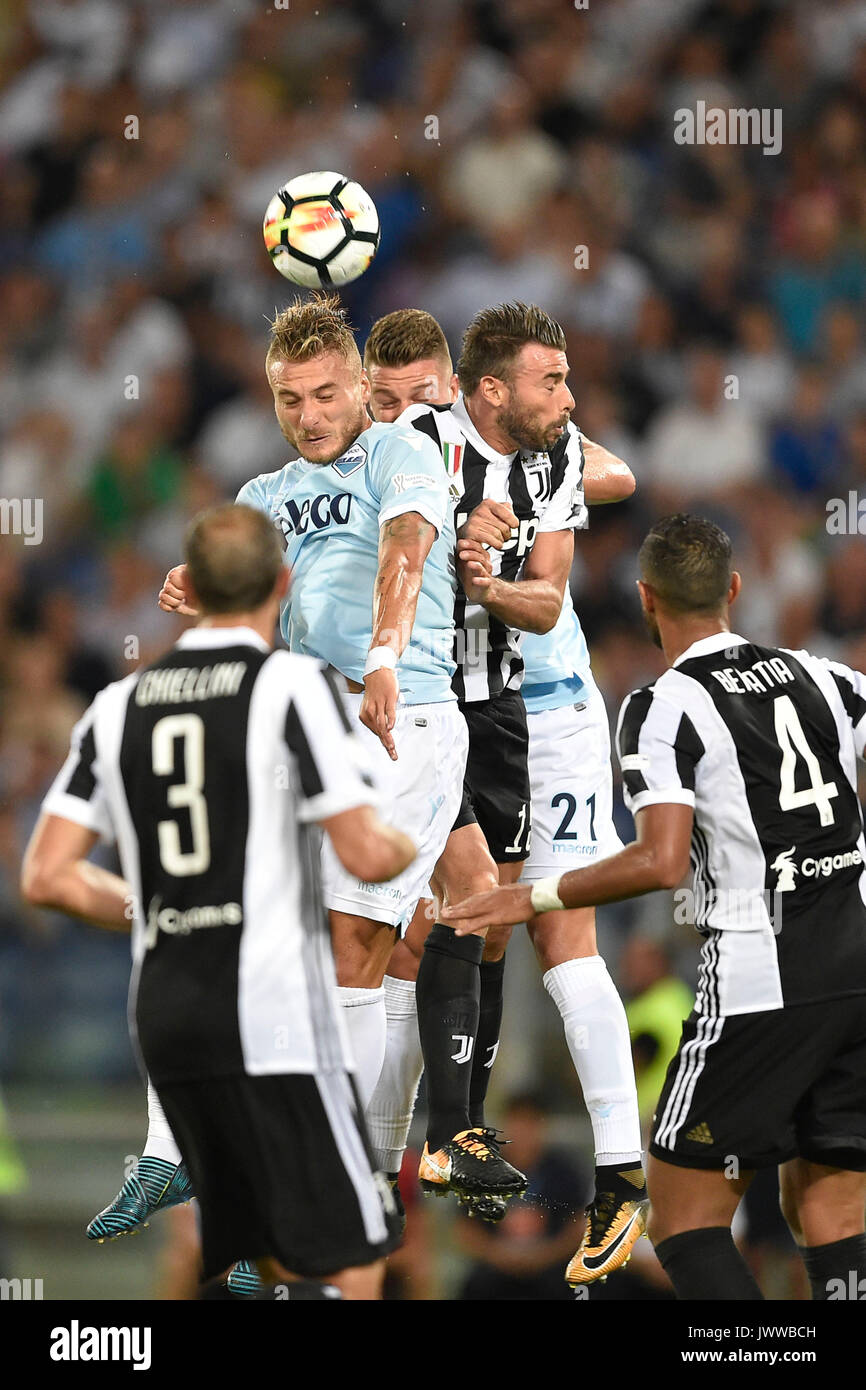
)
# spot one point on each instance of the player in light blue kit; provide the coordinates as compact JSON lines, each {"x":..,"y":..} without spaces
{"x":366,"y":517}
{"x":382,"y":478}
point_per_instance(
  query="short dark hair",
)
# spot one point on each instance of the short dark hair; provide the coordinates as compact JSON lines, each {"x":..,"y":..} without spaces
{"x":687,"y":561}
{"x":234,"y":556}
{"x":495,"y":336}
{"x":403,"y":337}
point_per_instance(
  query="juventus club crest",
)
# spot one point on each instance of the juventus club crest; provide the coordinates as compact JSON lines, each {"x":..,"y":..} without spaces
{"x":538,"y":470}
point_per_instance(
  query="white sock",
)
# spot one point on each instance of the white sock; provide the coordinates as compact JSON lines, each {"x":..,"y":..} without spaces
{"x":367,"y":1025}
{"x":597,"y":1035}
{"x":160,"y":1140}
{"x":389,"y":1113}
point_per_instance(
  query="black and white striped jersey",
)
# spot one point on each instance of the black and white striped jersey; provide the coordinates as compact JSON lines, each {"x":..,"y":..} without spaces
{"x":209,"y":769}
{"x":545,"y":492}
{"x":763,"y":743}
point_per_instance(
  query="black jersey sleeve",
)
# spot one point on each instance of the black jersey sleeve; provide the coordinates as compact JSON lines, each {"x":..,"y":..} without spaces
{"x":78,"y":792}
{"x":851,"y":686}
{"x":658,"y":748}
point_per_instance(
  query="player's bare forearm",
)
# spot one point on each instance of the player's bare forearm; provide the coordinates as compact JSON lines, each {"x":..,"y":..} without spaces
{"x":81,"y":890}
{"x":533,"y":605}
{"x":657,"y":859}
{"x":639,"y":868}
{"x":92,"y":893}
{"x":56,"y":875}
{"x":404,"y":544}
{"x":366,"y":846}
{"x":605,"y":477}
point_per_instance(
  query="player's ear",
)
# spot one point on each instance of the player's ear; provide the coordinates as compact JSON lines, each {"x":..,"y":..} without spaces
{"x":492,"y":390}
{"x":647,"y":597}
{"x":281,"y":588}
{"x":365,"y":387}
{"x":453,"y":388}
{"x":736,"y":586}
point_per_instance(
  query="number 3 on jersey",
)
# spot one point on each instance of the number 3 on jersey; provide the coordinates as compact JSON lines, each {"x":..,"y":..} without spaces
{"x":187,"y":795}
{"x":792,"y":741}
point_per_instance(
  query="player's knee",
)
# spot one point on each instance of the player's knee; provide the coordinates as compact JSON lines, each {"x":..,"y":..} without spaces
{"x":484,"y":881}
{"x":465,"y":884}
{"x":496,"y":942}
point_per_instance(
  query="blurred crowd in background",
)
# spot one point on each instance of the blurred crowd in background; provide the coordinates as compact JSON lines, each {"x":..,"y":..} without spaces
{"x":713,"y":297}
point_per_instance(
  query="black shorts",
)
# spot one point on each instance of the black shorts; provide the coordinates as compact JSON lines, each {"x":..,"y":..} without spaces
{"x":762,"y":1088}
{"x":281,"y":1167}
{"x":497,"y":774}
{"x":466,"y":815}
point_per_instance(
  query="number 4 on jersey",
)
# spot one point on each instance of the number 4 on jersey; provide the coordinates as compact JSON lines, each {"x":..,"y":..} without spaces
{"x":792,"y":740}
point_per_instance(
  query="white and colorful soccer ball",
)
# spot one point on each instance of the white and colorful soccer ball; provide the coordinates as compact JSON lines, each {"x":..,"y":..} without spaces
{"x":321,"y":229}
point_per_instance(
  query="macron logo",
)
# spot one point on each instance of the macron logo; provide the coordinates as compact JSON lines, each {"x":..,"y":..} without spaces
{"x":77,"y":1343}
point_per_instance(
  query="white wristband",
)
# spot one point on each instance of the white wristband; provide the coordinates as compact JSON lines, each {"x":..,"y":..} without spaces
{"x":377,"y":657}
{"x":545,"y":896}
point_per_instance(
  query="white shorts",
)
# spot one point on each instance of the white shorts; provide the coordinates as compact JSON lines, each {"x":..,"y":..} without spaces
{"x":420,"y":794}
{"x":572,"y":789}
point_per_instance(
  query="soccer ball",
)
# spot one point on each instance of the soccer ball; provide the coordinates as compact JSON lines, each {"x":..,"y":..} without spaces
{"x":321,"y":230}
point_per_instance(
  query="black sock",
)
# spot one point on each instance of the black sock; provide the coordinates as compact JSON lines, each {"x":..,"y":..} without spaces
{"x":705,"y":1265}
{"x":447,"y":995}
{"x":837,"y":1270}
{"x":487,"y":1042}
{"x":612,"y":1178}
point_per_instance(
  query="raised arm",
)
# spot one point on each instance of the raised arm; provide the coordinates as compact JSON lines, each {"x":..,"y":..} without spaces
{"x":532,"y":603}
{"x":404,"y":544}
{"x":605,"y":477}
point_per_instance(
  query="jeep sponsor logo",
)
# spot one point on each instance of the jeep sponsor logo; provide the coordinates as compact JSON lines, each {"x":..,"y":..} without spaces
{"x":522,"y":536}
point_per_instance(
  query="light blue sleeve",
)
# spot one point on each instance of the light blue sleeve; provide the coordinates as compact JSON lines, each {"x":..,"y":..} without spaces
{"x":254,"y":494}
{"x":406,"y":474}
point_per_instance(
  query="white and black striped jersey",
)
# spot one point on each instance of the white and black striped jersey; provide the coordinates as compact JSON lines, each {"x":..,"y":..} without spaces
{"x":209,"y":769}
{"x":763,"y":743}
{"x":545,"y":491}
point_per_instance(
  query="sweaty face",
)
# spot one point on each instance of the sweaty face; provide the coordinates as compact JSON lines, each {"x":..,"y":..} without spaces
{"x":321,"y":405}
{"x":538,"y":403}
{"x":394,"y":389}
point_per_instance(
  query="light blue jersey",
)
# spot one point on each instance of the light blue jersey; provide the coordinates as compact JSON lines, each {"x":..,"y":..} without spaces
{"x":330,"y":515}
{"x":557,"y":664}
